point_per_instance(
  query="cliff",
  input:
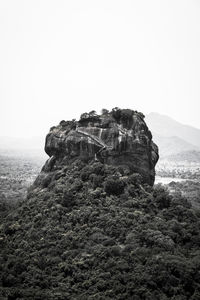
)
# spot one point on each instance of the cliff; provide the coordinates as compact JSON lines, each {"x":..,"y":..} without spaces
{"x":119,"y":138}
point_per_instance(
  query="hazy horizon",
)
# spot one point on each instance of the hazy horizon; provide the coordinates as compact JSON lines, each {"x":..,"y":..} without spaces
{"x":60,"y":59}
{"x":43,"y":135}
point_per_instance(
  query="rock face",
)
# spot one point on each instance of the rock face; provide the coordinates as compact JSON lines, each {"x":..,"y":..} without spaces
{"x":119,"y":138}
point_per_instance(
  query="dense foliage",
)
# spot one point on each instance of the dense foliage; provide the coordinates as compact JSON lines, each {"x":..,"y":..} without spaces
{"x":189,"y":189}
{"x":93,"y":231}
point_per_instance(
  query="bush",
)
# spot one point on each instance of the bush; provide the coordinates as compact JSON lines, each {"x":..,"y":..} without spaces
{"x":68,"y":198}
{"x":85,"y":173}
{"x":96,"y":180}
{"x":114,"y":186}
{"x":162,"y":197}
{"x":135,"y":179}
{"x":62,"y":123}
{"x":104,"y":111}
{"x":46,"y":180}
{"x":133,"y":190}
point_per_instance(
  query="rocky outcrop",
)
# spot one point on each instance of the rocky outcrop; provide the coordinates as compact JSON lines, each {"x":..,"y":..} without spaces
{"x":120,"y":137}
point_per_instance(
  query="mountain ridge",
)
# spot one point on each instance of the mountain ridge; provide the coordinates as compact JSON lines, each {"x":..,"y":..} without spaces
{"x":167,"y":127}
{"x":172,"y":137}
{"x":172,"y":145}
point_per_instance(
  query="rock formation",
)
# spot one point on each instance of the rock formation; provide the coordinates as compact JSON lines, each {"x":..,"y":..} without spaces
{"x":120,"y":138}
{"x":90,"y":229}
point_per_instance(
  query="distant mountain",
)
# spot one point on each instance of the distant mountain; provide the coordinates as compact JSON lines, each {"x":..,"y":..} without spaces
{"x":186,"y":156}
{"x":171,"y":136}
{"x":165,"y":126}
{"x":172,"y":145}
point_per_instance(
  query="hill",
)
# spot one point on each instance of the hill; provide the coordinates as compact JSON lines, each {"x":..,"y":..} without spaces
{"x":165,"y":126}
{"x":94,"y":228}
{"x":172,"y":145}
{"x":173,"y":137}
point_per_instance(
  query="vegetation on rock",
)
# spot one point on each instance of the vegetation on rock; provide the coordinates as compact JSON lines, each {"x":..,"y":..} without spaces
{"x":74,"y":238}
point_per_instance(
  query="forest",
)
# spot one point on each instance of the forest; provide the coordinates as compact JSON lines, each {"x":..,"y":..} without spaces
{"x":91,"y":231}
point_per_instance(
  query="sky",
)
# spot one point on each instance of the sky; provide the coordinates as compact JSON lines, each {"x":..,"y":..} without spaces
{"x":61,"y":58}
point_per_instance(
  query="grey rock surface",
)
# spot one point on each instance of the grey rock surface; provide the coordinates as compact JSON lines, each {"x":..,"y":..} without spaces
{"x":120,"y":137}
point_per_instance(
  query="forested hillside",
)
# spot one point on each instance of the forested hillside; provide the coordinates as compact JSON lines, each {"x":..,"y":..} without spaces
{"x":92,"y":232}
{"x":93,"y":226}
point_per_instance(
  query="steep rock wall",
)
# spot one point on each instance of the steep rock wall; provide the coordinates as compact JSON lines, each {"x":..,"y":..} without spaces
{"x":119,"y":138}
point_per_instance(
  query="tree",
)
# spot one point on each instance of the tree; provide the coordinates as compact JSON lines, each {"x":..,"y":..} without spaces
{"x":104,"y":111}
{"x":92,"y":113}
{"x":116,"y":113}
{"x":84,"y":116}
{"x":114,"y":186}
{"x":126,"y":114}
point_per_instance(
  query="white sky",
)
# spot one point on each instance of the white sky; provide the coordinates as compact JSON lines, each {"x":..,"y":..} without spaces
{"x":64,"y":57}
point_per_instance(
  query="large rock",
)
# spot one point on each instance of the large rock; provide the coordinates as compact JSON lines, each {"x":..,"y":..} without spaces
{"x":119,"y":137}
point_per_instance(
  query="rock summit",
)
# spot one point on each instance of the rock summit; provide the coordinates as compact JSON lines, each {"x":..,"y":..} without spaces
{"x":119,"y":137}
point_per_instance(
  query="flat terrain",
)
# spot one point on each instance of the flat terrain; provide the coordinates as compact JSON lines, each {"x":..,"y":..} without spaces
{"x":16,"y":174}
